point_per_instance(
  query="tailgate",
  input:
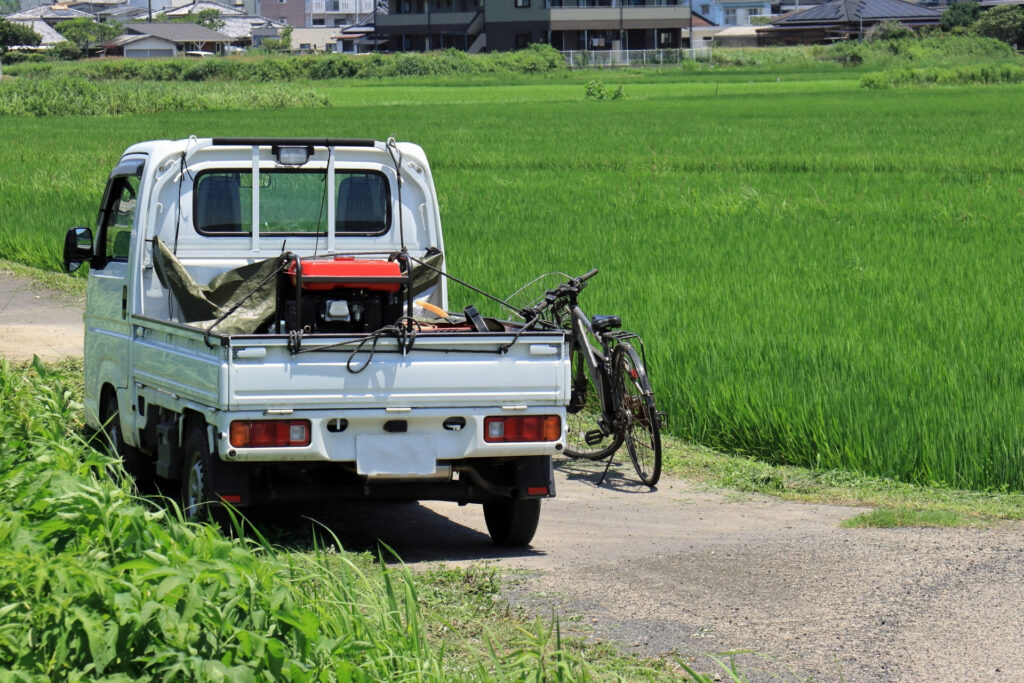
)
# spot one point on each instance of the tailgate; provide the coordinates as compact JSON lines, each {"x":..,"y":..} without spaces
{"x":462,"y":369}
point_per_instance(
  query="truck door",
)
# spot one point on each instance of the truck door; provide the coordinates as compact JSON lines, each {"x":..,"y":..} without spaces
{"x":108,"y":330}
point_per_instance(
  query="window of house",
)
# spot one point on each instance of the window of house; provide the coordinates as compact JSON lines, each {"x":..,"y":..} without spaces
{"x":522,"y":3}
{"x":318,"y":22}
{"x":705,"y":10}
{"x":730,"y":16}
{"x":664,"y":38}
{"x":754,"y":12}
{"x":522,"y":40}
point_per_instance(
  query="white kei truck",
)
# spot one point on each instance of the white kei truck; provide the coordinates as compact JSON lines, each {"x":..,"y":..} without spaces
{"x":266,"y":322}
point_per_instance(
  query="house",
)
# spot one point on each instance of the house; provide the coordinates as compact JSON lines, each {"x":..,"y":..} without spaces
{"x":165,"y":40}
{"x":842,"y":20}
{"x":355,"y":39}
{"x":733,"y":12}
{"x":238,"y":24}
{"x":47,"y":33}
{"x":317,"y":39}
{"x":51,"y":15}
{"x":512,"y":24}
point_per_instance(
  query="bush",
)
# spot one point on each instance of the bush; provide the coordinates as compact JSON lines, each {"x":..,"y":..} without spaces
{"x":597,"y":90}
{"x":65,"y":51}
{"x":887,"y":30}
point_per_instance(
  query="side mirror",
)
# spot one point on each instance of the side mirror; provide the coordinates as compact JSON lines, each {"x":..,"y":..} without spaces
{"x":77,"y":248}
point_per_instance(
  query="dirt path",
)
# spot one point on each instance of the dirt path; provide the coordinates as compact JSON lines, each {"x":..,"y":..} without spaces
{"x":688,"y":571}
{"x":34,"y":320}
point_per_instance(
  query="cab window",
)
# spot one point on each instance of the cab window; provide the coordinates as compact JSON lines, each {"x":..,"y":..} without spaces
{"x":117,"y":218}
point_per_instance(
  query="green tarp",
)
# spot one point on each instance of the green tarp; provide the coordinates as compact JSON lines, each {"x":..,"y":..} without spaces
{"x":201,"y":306}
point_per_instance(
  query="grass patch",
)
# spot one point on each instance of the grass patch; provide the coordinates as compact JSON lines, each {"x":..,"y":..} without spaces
{"x":837,"y":487}
{"x":76,"y":96}
{"x":890,"y":518}
{"x":991,"y":74}
{"x":57,"y":282}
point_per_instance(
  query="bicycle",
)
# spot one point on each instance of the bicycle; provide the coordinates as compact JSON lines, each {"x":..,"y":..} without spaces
{"x":611,"y":401}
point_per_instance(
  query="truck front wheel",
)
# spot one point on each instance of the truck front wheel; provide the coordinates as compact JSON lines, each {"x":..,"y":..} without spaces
{"x":197,"y":497}
{"x":512,"y":523}
{"x":134,"y":463}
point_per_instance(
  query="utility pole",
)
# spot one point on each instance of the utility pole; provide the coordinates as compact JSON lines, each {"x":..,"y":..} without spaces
{"x":691,"y":31}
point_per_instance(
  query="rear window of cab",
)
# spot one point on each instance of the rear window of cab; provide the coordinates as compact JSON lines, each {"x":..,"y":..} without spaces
{"x":291,"y":202}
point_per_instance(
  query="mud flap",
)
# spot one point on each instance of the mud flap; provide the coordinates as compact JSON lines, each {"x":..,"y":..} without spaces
{"x":535,"y":477}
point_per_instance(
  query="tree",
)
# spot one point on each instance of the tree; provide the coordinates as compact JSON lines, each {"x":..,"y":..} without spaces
{"x":210,"y":18}
{"x":85,"y":33}
{"x":963,"y":13}
{"x":12,"y":34}
{"x":1005,"y":22}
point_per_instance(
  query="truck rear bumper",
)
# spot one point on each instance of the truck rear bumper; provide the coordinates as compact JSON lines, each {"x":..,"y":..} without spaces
{"x":390,"y":442}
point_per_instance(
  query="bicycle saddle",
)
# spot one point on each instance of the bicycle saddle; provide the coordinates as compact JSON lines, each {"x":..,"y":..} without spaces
{"x":603,"y":323}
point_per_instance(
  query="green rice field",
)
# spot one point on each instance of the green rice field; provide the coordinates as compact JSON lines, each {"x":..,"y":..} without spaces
{"x":825,"y":274}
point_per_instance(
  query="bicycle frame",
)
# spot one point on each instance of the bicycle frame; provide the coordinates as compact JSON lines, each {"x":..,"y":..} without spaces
{"x":596,"y":364}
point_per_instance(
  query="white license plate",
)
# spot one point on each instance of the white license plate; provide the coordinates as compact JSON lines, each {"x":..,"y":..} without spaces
{"x":396,"y":454}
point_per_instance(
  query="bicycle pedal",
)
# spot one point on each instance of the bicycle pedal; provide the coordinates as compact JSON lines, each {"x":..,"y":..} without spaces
{"x":593,"y":437}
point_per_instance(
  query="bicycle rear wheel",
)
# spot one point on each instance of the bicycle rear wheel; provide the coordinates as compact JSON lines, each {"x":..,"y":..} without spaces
{"x":639,"y":417}
{"x":582,"y":417}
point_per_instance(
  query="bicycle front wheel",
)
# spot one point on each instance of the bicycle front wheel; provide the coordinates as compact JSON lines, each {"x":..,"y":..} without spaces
{"x":583,"y":416}
{"x":639,"y":418}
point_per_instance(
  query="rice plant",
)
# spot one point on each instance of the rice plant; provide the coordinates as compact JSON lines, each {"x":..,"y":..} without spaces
{"x":826,"y":275}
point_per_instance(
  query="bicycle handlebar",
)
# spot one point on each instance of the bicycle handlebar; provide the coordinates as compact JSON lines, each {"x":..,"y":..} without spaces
{"x":552,"y":296}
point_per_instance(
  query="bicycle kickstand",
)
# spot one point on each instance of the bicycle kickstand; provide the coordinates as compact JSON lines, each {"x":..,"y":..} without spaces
{"x":606,"y":468}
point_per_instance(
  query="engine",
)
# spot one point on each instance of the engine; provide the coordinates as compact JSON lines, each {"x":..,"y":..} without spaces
{"x":340,"y":295}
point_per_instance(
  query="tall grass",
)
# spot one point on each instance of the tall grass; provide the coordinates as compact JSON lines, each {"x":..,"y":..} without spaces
{"x":75,"y":96}
{"x":826,"y":275}
{"x":97,"y":585}
{"x":988,"y":74}
{"x":538,"y":58}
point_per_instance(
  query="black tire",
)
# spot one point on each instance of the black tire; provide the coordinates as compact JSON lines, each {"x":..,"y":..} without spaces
{"x":134,"y":463}
{"x":638,"y":416}
{"x":512,"y":523}
{"x":199,"y":503}
{"x":582,"y":416}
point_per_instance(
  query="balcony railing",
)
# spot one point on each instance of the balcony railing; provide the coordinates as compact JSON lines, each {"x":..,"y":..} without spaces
{"x":582,"y":59}
{"x":609,"y":4}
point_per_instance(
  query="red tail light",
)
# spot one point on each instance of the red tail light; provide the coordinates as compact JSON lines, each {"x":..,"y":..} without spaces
{"x":522,"y":428}
{"x":269,"y":433}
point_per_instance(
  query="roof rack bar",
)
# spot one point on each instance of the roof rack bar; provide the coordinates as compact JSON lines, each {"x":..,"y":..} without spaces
{"x":316,"y":142}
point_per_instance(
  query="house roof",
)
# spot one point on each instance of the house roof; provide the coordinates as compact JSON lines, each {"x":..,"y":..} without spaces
{"x":853,"y":11}
{"x":51,"y":12}
{"x":202,"y":5}
{"x":242,"y":27}
{"x":48,"y":34}
{"x":179,"y":33}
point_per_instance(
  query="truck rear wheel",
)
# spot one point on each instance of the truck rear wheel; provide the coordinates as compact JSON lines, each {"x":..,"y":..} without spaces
{"x":198,"y":501}
{"x":512,"y":523}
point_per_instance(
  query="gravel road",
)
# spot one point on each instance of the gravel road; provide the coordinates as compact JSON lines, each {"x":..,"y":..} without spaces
{"x":687,"y":571}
